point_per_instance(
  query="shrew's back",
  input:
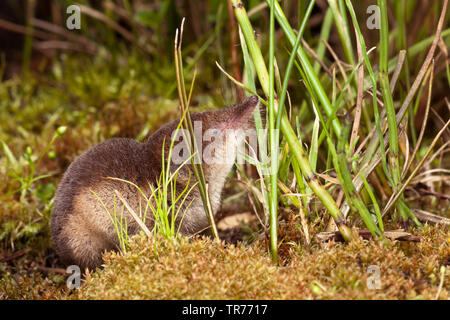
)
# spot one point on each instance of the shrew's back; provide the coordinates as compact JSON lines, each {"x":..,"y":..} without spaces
{"x":81,"y":227}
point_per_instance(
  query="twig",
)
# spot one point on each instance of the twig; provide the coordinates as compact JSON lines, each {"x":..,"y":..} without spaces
{"x":432,"y":193}
{"x":50,"y":270}
{"x":7,"y":25}
{"x":398,"y":69}
{"x":63,"y":45}
{"x":64,"y":33}
{"x":341,"y":68}
{"x":360,"y":93}
{"x":426,"y":216}
{"x":399,"y":235}
{"x":317,"y":58}
{"x":424,"y":122}
{"x":104,"y":18}
{"x":15,"y":255}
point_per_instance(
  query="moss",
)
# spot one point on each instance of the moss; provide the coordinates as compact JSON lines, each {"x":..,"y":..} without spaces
{"x":32,"y":285}
{"x":204,"y":269}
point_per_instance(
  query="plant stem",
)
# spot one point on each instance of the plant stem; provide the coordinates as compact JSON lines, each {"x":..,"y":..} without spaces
{"x":306,"y":65}
{"x":343,"y":31}
{"x":196,"y":162}
{"x":273,"y":136}
{"x":394,"y":162}
{"x":295,"y":147}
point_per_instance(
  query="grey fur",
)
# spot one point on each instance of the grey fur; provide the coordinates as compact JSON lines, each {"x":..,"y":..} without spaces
{"x":81,"y":228}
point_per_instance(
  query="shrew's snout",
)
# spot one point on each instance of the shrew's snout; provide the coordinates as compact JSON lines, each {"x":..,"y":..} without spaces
{"x":242,"y":112}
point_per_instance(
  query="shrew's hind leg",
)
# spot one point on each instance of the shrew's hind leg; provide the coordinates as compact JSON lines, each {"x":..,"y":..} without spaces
{"x":84,"y":244}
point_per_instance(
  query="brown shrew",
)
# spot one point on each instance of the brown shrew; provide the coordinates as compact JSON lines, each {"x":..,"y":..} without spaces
{"x":82,"y":228}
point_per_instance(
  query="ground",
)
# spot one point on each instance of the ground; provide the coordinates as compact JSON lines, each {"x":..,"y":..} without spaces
{"x":202,"y":268}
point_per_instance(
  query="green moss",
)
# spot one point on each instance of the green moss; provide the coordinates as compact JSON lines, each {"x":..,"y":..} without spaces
{"x":204,"y":269}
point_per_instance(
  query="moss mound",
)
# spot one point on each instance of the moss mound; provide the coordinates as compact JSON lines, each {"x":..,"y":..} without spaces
{"x":204,"y":269}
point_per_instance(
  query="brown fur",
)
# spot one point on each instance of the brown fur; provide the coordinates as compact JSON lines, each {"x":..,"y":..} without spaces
{"x":82,"y":229}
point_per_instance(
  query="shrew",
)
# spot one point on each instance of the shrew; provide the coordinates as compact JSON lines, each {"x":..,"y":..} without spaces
{"x":81,"y":226}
